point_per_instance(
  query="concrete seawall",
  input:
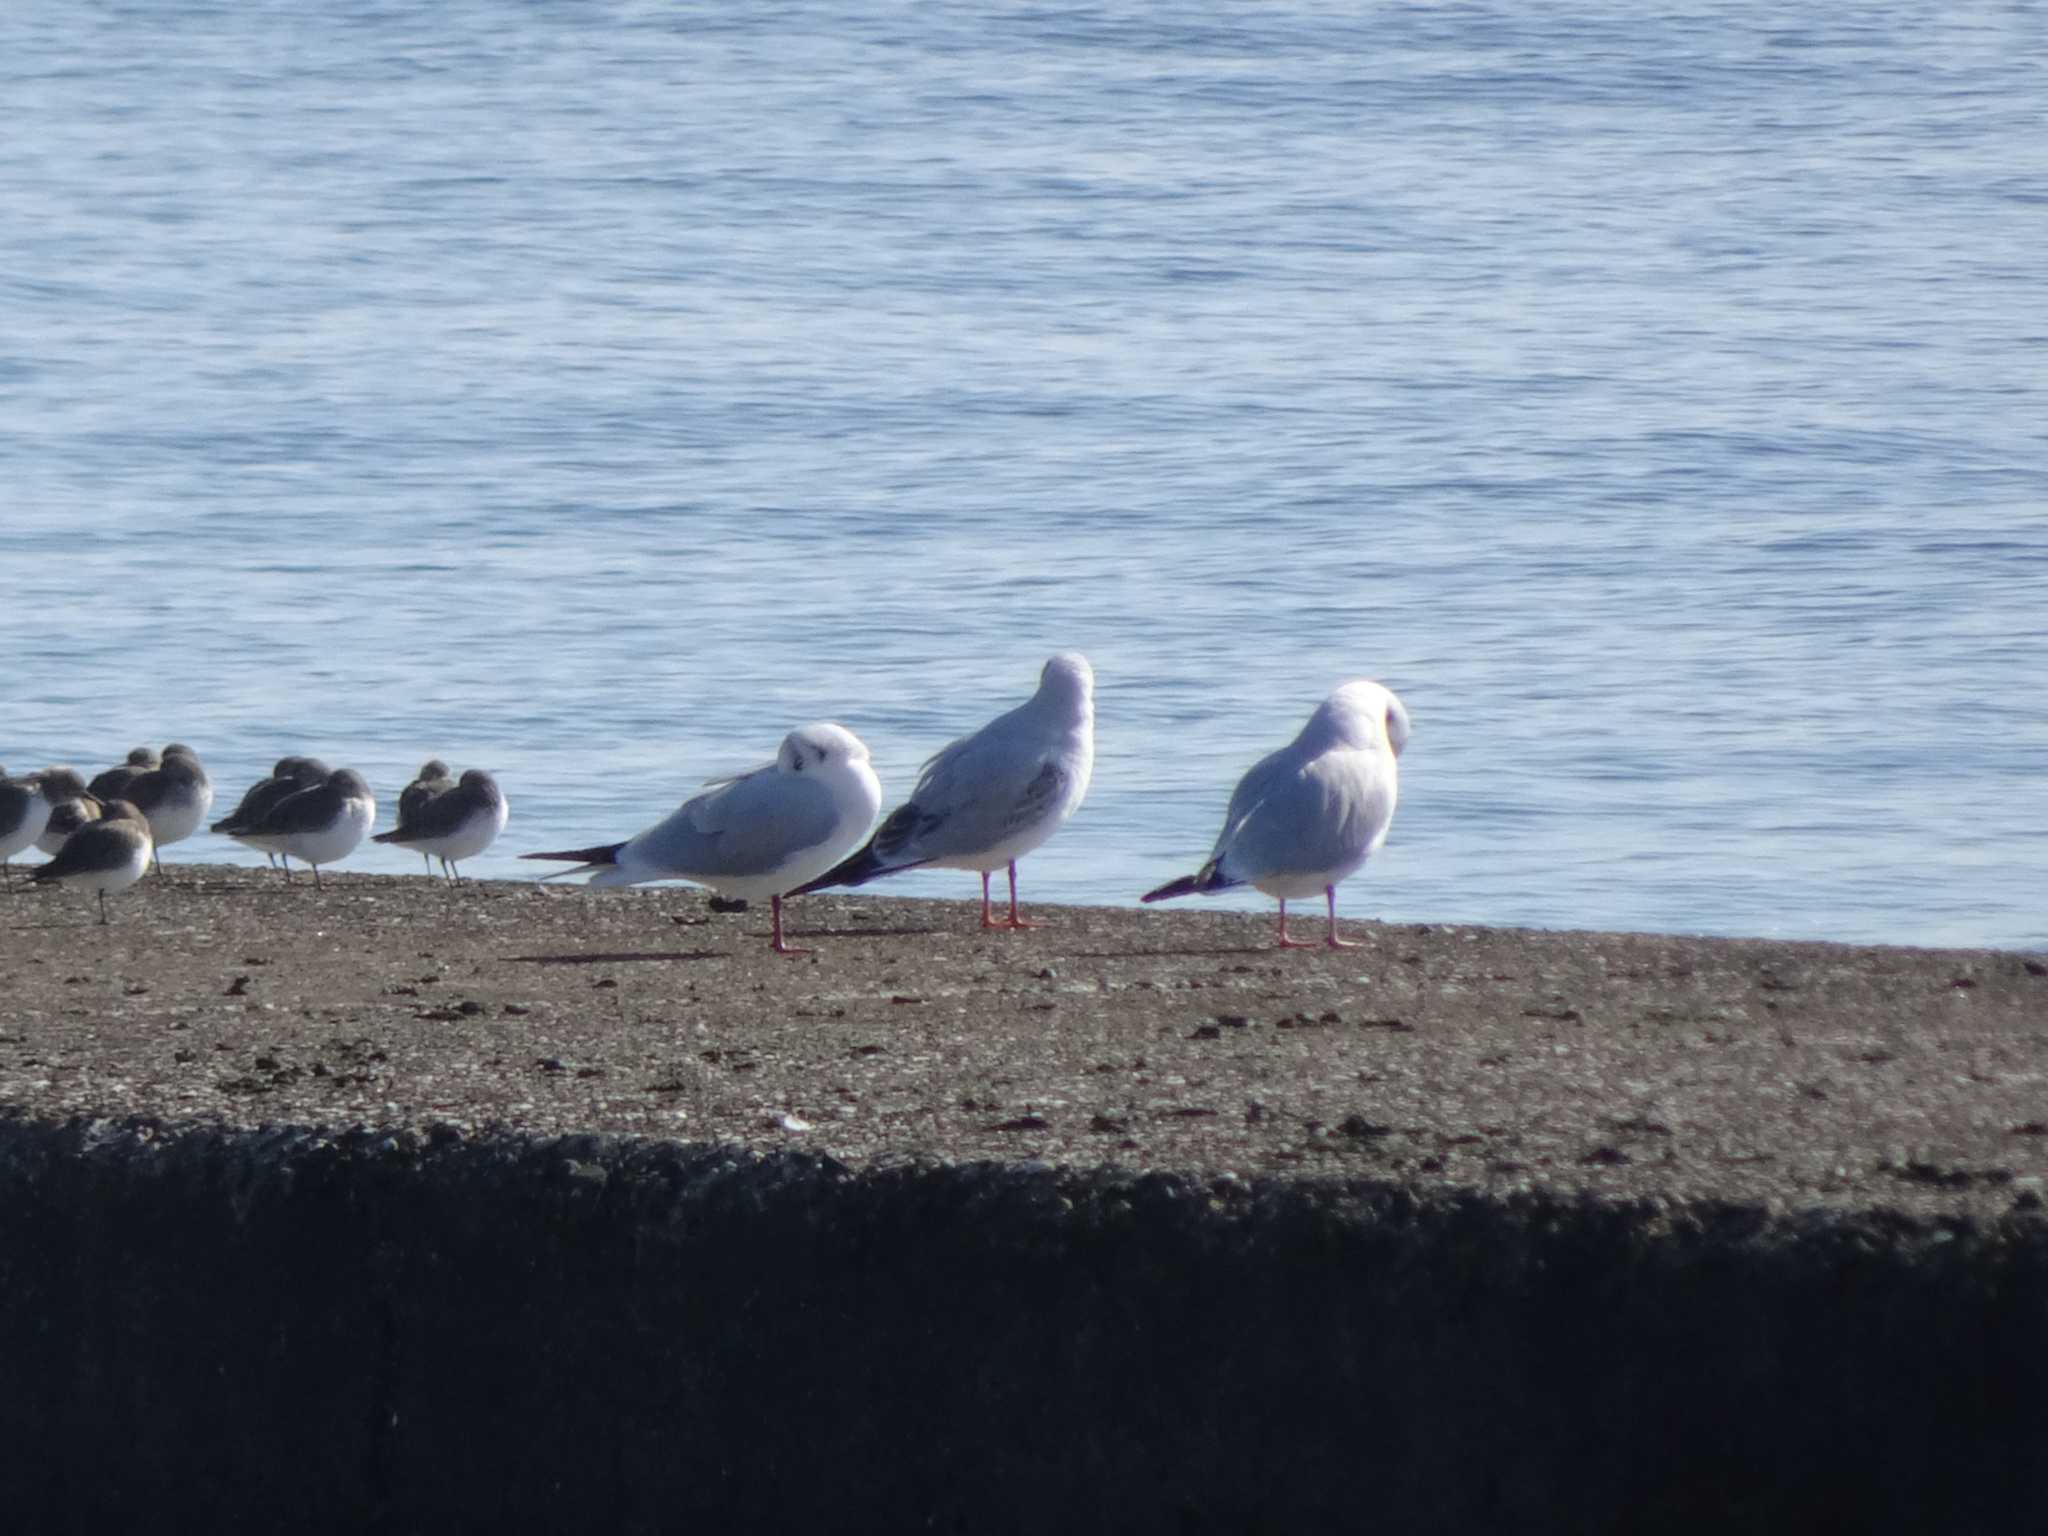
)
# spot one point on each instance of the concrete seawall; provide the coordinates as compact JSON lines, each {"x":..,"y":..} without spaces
{"x":282,"y":1329}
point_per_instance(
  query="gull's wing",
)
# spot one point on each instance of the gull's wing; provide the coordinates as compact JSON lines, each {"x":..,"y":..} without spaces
{"x":742,"y":828}
{"x":743,"y":773}
{"x":1269,"y":776}
{"x":977,"y":792}
{"x":1291,"y":816}
{"x":1041,"y":797}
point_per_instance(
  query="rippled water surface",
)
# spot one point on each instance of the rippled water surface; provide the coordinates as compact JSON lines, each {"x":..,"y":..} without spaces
{"x":594,"y":392}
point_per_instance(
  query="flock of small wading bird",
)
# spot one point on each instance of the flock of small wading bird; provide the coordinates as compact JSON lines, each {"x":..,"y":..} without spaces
{"x":1301,"y":820}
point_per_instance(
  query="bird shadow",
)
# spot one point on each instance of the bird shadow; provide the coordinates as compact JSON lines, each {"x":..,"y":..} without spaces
{"x":620,"y":957}
{"x":1185,"y":953}
{"x":255,"y":882}
{"x":860,"y":933}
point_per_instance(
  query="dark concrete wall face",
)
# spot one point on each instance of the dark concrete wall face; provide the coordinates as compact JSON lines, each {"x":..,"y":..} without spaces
{"x":294,"y":1331}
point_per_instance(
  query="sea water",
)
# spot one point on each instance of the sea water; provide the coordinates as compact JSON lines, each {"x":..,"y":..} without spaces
{"x":1654,"y":397}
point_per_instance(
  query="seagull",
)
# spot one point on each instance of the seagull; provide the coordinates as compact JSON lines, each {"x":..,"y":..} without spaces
{"x":1310,"y":814}
{"x":760,"y":833}
{"x":175,"y":797}
{"x":432,"y":779}
{"x":288,"y":776}
{"x":319,"y":824}
{"x":109,"y":854}
{"x":24,"y":812}
{"x":456,"y":823}
{"x":113,"y":783}
{"x":988,"y":799}
{"x":72,"y":805}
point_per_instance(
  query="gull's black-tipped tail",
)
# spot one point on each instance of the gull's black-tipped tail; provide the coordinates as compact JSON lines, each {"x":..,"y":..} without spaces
{"x":870,"y":863}
{"x":855,"y":869}
{"x":1206,"y":881}
{"x":603,"y":856}
{"x":603,"y":853}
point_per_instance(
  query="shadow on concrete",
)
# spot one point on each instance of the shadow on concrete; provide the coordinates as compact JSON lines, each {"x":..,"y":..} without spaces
{"x":1197,"y":953}
{"x":620,"y":957}
{"x":394,"y":1332}
{"x":855,"y":933}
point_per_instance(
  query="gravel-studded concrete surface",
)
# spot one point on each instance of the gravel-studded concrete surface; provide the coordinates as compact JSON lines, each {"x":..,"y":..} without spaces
{"x":1505,"y":1061}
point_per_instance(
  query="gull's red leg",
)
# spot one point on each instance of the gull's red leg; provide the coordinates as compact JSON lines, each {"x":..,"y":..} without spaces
{"x":775,"y":905}
{"x":1286,"y":942}
{"x":1015,"y":921}
{"x":987,"y":921}
{"x":1330,"y":893}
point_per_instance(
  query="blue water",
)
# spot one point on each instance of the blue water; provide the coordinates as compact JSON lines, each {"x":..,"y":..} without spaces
{"x":1655,"y":399}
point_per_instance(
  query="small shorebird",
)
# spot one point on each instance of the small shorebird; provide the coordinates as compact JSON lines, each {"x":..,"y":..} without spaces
{"x":1310,"y":814}
{"x":72,"y":805}
{"x":453,"y":824}
{"x":318,"y":824}
{"x":432,"y":779}
{"x":24,"y":812}
{"x":761,"y":833}
{"x":112,"y":784}
{"x":288,"y":776}
{"x":175,"y":797}
{"x":106,"y":855}
{"x":988,"y":799}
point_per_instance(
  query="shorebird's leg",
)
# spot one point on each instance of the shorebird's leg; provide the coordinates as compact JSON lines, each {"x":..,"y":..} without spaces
{"x":987,"y":918}
{"x":284,"y":863}
{"x":1286,"y":942}
{"x":782,"y":948}
{"x":1330,"y":893}
{"x":316,"y":879}
{"x":103,"y":907}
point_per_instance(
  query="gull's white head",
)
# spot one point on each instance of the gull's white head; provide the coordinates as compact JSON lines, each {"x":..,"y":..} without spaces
{"x":1068,"y":679}
{"x":838,"y":760}
{"x":1358,"y":715}
{"x":812,"y":748}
